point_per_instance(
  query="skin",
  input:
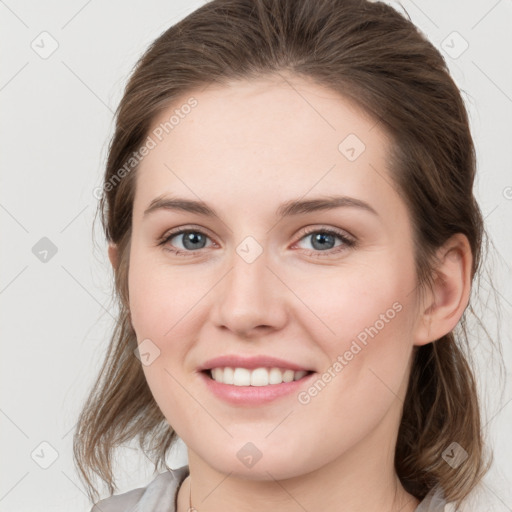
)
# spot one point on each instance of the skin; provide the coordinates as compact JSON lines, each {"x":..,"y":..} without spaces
{"x":245,"y":149}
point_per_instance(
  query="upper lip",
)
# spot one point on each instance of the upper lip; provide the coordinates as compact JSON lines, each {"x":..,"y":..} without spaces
{"x":236,"y":361}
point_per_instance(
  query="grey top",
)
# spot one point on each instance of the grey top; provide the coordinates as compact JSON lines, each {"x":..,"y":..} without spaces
{"x":160,"y":496}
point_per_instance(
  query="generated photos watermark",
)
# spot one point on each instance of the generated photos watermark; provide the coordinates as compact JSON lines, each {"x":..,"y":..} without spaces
{"x":357,"y":345}
{"x":151,"y":142}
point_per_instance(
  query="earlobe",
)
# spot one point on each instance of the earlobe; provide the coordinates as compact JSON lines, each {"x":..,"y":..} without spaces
{"x":112,"y":254}
{"x":451,"y":291}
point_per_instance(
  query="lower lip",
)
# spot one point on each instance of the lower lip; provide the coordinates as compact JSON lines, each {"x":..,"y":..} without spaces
{"x":253,"y":395}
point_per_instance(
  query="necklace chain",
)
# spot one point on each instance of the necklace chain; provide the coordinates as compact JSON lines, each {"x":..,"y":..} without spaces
{"x":190,"y":507}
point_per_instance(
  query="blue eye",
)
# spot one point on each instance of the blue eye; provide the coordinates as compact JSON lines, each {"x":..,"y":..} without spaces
{"x":322,"y":239}
{"x":194,"y":240}
{"x":190,"y":238}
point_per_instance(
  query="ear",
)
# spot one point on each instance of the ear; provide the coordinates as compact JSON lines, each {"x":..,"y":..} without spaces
{"x":112,"y":254}
{"x":451,"y":291}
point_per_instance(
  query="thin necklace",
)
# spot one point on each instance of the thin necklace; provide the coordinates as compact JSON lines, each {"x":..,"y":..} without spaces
{"x":190,"y":507}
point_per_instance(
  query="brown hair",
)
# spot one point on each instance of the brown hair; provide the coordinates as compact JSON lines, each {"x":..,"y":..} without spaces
{"x":369,"y":53}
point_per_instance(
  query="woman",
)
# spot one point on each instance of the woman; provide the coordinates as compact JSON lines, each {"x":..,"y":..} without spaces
{"x":288,"y":202}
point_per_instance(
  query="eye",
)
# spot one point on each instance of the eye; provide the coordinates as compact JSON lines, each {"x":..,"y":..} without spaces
{"x":323,"y":240}
{"x":191,"y":240}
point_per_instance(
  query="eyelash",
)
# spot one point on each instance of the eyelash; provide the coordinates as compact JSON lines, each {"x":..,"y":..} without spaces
{"x":348,"y":242}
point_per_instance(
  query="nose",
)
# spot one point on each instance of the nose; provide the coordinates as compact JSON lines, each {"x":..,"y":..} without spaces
{"x":251,"y":299}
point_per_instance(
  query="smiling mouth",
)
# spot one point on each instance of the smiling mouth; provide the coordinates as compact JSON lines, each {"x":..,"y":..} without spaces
{"x":255,"y":377}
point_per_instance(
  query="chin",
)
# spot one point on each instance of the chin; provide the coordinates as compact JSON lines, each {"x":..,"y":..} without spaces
{"x":274,"y":466}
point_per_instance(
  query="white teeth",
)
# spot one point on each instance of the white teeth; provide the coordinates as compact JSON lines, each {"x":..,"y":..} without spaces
{"x":288,"y":376}
{"x":227,"y":378}
{"x":256,"y":377}
{"x":259,"y":377}
{"x":241,"y":377}
{"x":217,"y":373}
{"x":274,"y":376}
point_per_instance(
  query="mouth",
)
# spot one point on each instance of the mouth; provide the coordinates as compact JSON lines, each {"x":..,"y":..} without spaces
{"x":257,"y":377}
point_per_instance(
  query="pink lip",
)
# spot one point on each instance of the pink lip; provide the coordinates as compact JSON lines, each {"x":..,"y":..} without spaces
{"x":253,"y":395}
{"x":235,"y":361}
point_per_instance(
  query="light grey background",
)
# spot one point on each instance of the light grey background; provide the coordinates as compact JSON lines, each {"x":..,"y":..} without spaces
{"x":56,"y":121}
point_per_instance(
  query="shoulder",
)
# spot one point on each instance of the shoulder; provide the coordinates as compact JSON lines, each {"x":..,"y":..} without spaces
{"x":159,"y":495}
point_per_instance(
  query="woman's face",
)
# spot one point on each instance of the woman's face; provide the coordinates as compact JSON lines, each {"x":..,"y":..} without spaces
{"x":261,"y":278}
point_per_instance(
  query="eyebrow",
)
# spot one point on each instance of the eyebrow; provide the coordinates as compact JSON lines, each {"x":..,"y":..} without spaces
{"x":287,"y":209}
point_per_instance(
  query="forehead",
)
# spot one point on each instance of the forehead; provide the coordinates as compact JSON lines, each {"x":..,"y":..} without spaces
{"x":273,"y":139}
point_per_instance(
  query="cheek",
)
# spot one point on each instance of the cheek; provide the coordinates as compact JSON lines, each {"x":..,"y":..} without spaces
{"x":162,"y":307}
{"x":160,"y":300}
{"x":365,"y":332}
{"x":344,"y":302}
